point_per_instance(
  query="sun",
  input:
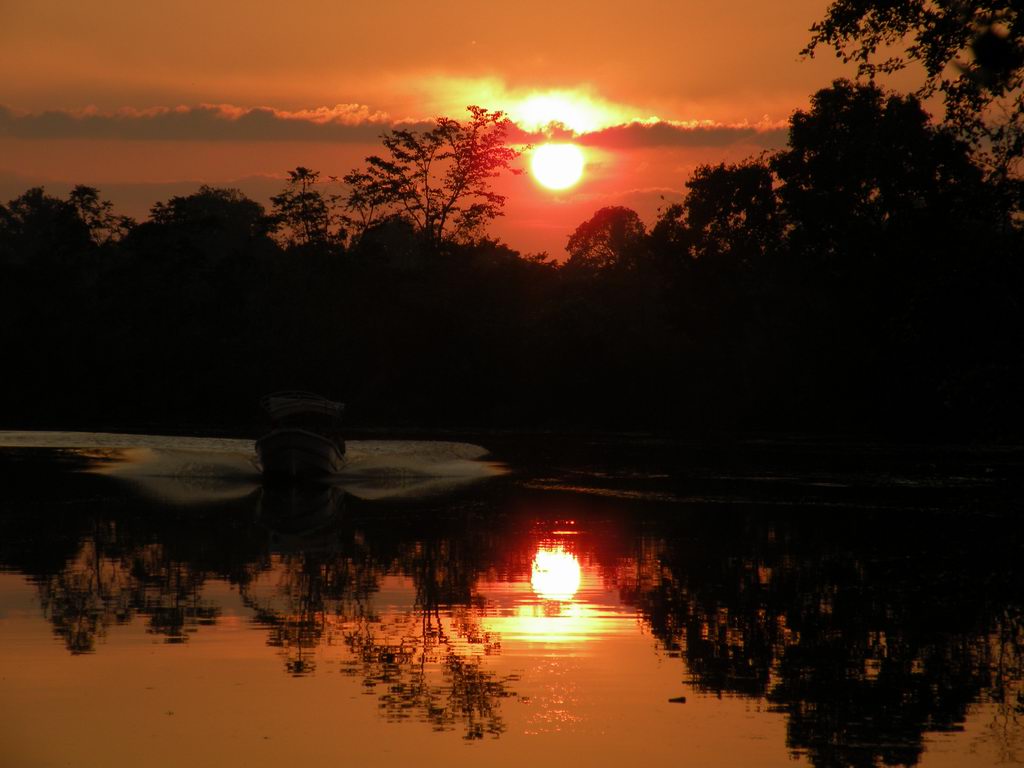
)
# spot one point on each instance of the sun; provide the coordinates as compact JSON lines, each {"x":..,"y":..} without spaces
{"x":557,"y":166}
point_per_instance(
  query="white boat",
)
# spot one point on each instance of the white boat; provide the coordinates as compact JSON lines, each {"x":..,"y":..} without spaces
{"x":304,"y":442}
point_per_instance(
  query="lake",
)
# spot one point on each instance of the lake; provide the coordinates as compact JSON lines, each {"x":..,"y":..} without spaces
{"x":544,"y":600}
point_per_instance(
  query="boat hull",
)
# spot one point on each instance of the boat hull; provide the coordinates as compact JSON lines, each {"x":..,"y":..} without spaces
{"x":298,"y":454}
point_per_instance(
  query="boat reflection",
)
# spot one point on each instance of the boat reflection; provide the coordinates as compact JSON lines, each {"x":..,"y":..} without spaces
{"x":300,"y":517}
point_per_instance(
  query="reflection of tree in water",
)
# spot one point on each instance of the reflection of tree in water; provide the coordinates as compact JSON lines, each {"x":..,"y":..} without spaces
{"x":306,"y":572}
{"x":729,"y":646}
{"x":304,"y":598}
{"x":1006,"y":685}
{"x":447,"y":638}
{"x":866,"y":638}
{"x":444,"y":679}
{"x":421,"y":663}
{"x":420,"y":668}
{"x":87,"y":596}
{"x":109,"y":558}
{"x":868,"y":632}
{"x":107,"y":583}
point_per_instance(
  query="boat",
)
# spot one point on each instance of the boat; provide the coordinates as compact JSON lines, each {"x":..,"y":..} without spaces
{"x":305,"y":441}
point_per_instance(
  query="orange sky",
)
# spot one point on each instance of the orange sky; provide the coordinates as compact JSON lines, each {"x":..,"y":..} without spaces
{"x":146,"y":101}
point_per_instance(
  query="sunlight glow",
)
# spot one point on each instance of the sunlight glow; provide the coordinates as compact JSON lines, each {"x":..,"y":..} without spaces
{"x":548,"y":610}
{"x":557,"y":166}
{"x":556,"y":574}
{"x":577,"y":114}
{"x":577,"y":109}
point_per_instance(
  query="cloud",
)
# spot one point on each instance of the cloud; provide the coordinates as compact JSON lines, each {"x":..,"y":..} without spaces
{"x":651,"y":134}
{"x":692,"y":134}
{"x":350,"y":123}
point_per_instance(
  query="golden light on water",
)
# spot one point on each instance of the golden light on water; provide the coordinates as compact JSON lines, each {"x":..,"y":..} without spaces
{"x":556,"y":574}
{"x":557,"y":166}
{"x":552,"y":608}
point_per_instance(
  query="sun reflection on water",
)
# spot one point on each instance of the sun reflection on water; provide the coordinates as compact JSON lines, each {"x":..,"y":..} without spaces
{"x":556,"y":573}
{"x":550,"y":608}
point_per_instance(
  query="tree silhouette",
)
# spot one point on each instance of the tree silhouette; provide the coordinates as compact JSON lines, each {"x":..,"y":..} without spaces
{"x":731,"y":213}
{"x":865,"y":277}
{"x":612,"y":237}
{"x":863,"y":164}
{"x":440,"y":179}
{"x":104,"y":225}
{"x":213,"y":218}
{"x":972,"y":53}
{"x":890,"y":218}
{"x":36,"y":227}
{"x":305,"y":211}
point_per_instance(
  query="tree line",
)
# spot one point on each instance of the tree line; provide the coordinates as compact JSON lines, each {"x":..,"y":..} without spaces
{"x":866,"y":277}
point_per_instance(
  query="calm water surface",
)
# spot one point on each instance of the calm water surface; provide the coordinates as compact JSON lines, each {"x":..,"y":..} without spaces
{"x":553,"y":603}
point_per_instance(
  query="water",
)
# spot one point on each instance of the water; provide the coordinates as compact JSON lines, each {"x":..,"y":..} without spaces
{"x":557,"y":602}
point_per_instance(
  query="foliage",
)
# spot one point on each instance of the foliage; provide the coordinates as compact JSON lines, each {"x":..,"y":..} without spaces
{"x":104,"y":225}
{"x":305,"y":211}
{"x":612,"y":237}
{"x":972,"y":52}
{"x":439,"y":179}
{"x":212,"y":222}
{"x":730,"y":214}
{"x":36,"y":226}
{"x":211,"y":208}
{"x":862,"y":164}
{"x":861,"y":279}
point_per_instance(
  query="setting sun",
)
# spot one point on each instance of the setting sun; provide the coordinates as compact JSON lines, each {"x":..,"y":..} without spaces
{"x":557,"y":166}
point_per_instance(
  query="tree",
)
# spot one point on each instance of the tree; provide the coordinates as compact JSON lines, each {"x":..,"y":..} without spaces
{"x":304,"y":210}
{"x":213,"y":209}
{"x":867,"y":173}
{"x":611,"y":237}
{"x":439,"y":179}
{"x":40,"y":228}
{"x":730,"y":213}
{"x":213,"y":225}
{"x":972,"y":52}
{"x":104,"y":225}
